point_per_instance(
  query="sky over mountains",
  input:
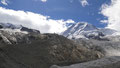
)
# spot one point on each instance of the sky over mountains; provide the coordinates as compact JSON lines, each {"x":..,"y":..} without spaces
{"x":51,"y":16}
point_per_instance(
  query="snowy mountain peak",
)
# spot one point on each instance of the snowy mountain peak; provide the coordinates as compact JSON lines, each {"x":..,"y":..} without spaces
{"x":82,"y":30}
{"x":9,"y":26}
{"x":88,"y":31}
{"x":82,"y":26}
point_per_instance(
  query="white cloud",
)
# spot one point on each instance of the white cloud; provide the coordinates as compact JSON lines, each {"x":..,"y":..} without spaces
{"x":33,"y":20}
{"x":41,"y":0}
{"x":104,"y":21}
{"x":84,"y":3}
{"x":112,"y":12}
{"x":44,"y":0}
{"x":4,"y":2}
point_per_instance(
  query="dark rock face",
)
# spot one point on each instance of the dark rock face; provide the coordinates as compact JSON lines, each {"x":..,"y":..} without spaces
{"x":1,"y":27}
{"x":45,"y":50}
{"x":30,"y":30}
{"x":96,"y":37}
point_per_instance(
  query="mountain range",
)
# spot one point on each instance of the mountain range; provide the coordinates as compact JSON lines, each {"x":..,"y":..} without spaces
{"x":81,"y":43}
{"x":75,"y":31}
{"x":22,"y":47}
{"x":88,"y":31}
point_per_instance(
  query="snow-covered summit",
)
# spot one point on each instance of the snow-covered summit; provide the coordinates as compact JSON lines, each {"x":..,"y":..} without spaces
{"x":82,"y":30}
{"x":78,"y":27}
{"x":88,"y":31}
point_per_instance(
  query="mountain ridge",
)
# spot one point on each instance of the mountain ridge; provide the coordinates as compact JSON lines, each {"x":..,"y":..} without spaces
{"x":87,"y":31}
{"x":17,"y":27}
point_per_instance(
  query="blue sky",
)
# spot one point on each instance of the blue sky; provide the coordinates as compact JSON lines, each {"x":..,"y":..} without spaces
{"x":51,"y":16}
{"x":62,"y":9}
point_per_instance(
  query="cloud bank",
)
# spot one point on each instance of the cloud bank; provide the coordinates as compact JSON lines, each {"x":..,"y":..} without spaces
{"x":44,"y":0}
{"x":33,"y":20}
{"x":112,"y":12}
{"x":84,"y":3}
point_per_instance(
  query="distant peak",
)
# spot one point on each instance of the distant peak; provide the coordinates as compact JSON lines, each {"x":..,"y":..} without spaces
{"x":11,"y":26}
{"x":19,"y":27}
{"x":81,"y":30}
